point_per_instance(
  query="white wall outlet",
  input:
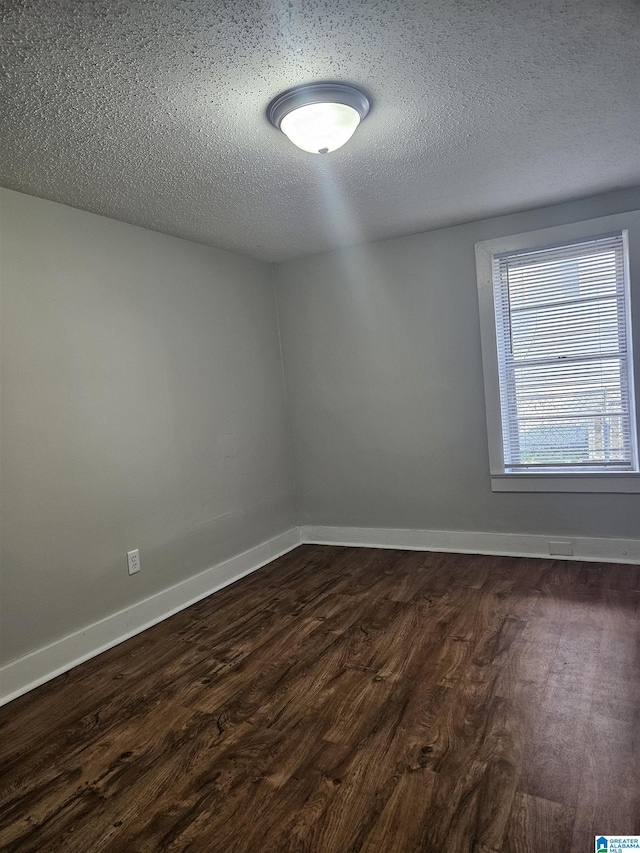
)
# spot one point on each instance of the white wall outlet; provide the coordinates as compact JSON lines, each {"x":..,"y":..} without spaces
{"x":561,"y":547}
{"x":133,"y":559}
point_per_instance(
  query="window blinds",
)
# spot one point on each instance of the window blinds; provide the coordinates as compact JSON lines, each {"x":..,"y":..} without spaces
{"x":563,"y":357}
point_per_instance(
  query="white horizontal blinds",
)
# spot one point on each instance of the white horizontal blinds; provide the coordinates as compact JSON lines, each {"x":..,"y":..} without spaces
{"x":563,"y":354}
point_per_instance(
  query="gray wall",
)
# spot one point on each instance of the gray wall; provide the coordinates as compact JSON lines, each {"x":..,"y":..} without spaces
{"x":142,"y":406}
{"x":385,"y":391}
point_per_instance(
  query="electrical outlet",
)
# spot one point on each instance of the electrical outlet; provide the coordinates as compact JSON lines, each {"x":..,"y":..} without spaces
{"x":561,"y":547}
{"x":133,"y":559}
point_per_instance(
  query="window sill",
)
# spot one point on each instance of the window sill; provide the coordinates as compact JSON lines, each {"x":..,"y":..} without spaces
{"x":627,"y":483}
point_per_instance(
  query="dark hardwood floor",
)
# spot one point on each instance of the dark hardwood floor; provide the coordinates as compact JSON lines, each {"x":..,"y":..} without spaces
{"x":345,"y":700}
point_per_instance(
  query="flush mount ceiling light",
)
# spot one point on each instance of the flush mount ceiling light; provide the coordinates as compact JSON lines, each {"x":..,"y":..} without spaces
{"x":319,"y":117}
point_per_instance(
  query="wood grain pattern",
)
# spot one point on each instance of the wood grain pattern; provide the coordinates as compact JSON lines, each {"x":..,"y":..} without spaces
{"x":345,"y":700}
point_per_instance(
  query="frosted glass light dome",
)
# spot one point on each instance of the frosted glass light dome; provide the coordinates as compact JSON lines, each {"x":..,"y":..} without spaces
{"x":319,"y":117}
{"x":320,"y":128}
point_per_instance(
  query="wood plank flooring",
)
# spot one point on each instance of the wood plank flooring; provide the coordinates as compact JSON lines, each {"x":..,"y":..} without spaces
{"x":344,"y":700}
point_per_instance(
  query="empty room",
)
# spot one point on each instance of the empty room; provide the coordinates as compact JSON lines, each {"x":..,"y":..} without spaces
{"x":320,"y":411}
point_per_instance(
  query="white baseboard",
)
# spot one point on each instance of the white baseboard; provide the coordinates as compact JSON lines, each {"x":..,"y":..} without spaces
{"x":469,"y":542}
{"x":25,"y":673}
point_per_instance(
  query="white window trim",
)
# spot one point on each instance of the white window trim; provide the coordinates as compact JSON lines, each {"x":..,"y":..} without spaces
{"x":623,"y":482}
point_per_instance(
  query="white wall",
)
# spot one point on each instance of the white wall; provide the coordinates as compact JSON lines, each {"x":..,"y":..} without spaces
{"x":142,"y":406}
{"x":385,"y":388}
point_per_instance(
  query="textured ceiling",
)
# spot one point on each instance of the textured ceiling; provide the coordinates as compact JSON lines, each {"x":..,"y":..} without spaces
{"x":153,"y":112}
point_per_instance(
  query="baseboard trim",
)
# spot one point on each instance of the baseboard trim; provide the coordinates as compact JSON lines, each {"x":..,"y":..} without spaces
{"x":469,"y":542}
{"x":24,"y":674}
{"x":37,"y":667}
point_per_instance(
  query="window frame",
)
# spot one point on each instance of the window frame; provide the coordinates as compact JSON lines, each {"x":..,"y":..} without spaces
{"x":574,"y":481}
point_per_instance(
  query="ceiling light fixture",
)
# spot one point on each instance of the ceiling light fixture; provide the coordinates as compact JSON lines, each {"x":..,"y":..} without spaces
{"x":319,"y":117}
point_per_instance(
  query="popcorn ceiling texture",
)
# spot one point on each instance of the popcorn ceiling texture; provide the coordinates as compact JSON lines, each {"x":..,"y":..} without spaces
{"x":153,"y":112}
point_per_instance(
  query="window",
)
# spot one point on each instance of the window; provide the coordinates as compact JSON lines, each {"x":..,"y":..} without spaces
{"x":556,"y":328}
